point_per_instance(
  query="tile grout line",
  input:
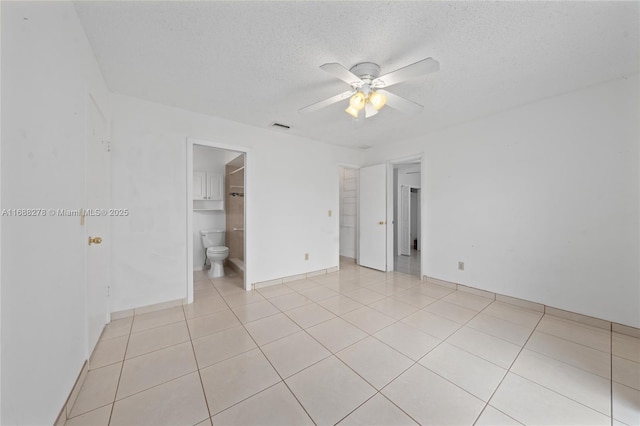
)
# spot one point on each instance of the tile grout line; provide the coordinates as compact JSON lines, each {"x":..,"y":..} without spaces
{"x":557,"y":393}
{"x":445,"y":340}
{"x":379,"y":391}
{"x":305,"y":368}
{"x":334,"y":354}
{"x":384,"y":343}
{"x":193,"y":349}
{"x":522,"y":346}
{"x":550,"y":389}
{"x":567,"y":363}
{"x":155,"y":326}
{"x":611,"y":373}
{"x":414,"y":363}
{"x":155,"y":350}
{"x":508,"y":370}
{"x":568,"y":340}
{"x":331,"y":354}
{"x":418,"y":361}
{"x":130,"y":333}
{"x":268,"y":360}
{"x":463,"y":349}
{"x":115,"y":395}
{"x":191,"y":340}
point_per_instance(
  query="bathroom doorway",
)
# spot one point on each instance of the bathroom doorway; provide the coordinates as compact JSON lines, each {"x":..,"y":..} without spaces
{"x":216,"y":204}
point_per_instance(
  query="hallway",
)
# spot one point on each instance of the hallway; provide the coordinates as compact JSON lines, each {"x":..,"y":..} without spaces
{"x":408,"y":264}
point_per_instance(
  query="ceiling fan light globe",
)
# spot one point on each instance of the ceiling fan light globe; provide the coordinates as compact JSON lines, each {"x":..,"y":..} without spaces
{"x":357,"y":101}
{"x":378,"y":100}
{"x":352,"y":111}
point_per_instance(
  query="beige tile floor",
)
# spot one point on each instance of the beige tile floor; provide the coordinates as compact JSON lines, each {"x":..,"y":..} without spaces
{"x":356,"y":347}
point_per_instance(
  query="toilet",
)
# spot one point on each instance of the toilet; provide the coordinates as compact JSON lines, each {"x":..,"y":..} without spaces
{"x":213,"y":243}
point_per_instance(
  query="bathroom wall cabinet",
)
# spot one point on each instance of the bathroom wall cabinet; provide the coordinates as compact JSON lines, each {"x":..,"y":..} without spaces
{"x":208,"y":186}
{"x":208,"y":191}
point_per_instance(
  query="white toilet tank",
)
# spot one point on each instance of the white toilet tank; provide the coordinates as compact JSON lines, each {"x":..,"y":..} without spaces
{"x":212,"y":237}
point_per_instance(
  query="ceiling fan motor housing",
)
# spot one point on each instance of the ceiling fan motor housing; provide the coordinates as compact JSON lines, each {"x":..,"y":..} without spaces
{"x":367,"y":71}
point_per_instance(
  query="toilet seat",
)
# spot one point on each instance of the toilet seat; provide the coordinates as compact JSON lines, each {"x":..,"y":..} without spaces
{"x":219,"y":249}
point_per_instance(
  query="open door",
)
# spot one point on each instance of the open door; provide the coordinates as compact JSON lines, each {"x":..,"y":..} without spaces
{"x":373,"y":217}
{"x":404,"y":225}
{"x":97,"y":223}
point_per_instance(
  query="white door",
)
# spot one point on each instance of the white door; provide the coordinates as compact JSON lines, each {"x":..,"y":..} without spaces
{"x":373,"y":217}
{"x":97,"y":253}
{"x":404,"y":225}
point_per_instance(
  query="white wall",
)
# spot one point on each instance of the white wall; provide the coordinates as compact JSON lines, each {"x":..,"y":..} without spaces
{"x":48,"y":71}
{"x":211,"y":160}
{"x":295,"y":183}
{"x":541,"y":202}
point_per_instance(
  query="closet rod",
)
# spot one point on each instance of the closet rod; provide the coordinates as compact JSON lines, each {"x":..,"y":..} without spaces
{"x":237,"y":170}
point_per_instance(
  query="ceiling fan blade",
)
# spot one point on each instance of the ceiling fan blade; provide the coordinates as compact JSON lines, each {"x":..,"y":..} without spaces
{"x":417,"y":69}
{"x":401,"y":104}
{"x":342,"y":73}
{"x":369,"y":110}
{"x":327,"y":102}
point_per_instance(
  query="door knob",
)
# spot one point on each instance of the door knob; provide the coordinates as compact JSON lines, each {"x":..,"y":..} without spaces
{"x":95,"y":240}
{"x":381,"y":222}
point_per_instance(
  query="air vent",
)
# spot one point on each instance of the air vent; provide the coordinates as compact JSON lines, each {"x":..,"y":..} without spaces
{"x":365,"y":146}
{"x":280,"y":126}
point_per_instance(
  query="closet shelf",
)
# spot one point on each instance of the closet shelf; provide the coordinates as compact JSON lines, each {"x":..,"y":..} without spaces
{"x":237,"y":170}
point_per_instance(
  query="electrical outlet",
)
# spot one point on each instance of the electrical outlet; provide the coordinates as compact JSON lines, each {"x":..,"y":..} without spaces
{"x":461,"y":265}
{"x":306,"y":256}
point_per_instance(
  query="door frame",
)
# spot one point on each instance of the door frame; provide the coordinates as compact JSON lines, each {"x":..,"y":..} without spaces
{"x":248,"y":180}
{"x":94,"y":101}
{"x":419,"y":214}
{"x":339,"y":204}
{"x":391,"y":190}
{"x":402,"y":245}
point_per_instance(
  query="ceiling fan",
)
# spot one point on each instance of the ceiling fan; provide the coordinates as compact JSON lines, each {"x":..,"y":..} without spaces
{"x":367,"y":87}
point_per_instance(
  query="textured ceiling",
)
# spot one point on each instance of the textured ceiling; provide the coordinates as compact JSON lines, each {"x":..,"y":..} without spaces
{"x":257,"y":62}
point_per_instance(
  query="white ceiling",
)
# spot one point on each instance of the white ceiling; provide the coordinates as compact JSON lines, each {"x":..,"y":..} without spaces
{"x":257,"y":62}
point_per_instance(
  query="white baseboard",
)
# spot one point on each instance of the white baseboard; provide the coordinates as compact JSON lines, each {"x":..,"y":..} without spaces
{"x":294,"y":277}
{"x":539,"y":307}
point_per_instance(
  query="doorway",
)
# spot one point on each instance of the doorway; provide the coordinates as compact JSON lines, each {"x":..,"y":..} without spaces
{"x":97,"y":226}
{"x":348,"y":178}
{"x":217,"y":181}
{"x":407,"y":211}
